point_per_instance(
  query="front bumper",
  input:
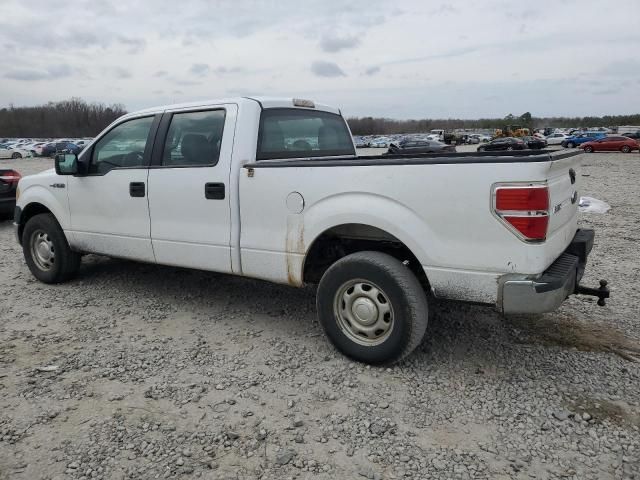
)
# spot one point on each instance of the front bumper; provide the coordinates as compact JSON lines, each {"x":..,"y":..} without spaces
{"x":547,"y":292}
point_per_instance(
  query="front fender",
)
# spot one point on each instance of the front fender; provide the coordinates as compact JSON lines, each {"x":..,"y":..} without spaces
{"x":57,"y":203}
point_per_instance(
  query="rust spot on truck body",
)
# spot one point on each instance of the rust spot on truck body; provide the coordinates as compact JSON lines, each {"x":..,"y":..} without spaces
{"x":294,"y":249}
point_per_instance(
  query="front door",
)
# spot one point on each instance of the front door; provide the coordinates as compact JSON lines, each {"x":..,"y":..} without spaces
{"x":189,"y":189}
{"x":108,"y":204}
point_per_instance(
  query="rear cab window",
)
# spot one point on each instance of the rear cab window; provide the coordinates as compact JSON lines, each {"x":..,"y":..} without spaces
{"x":302,"y":133}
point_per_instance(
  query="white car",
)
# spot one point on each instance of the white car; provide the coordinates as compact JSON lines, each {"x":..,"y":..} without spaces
{"x":236,"y":186}
{"x":13,"y":152}
{"x":556,"y":138}
{"x":380,"y":142}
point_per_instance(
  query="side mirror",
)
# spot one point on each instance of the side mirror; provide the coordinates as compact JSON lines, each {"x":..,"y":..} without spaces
{"x":66,"y":164}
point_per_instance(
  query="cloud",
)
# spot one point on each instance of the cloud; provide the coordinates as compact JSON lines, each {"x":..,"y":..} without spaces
{"x":622,"y":68}
{"x":161,"y":73}
{"x":372,"y":70}
{"x":327,"y":69}
{"x":199,"y":69}
{"x":226,"y":70}
{"x":120,"y":72}
{"x":52,"y":72}
{"x":28,"y":75}
{"x":443,"y":9}
{"x":135,"y":44}
{"x":59,"y":71}
{"x":335,"y":44}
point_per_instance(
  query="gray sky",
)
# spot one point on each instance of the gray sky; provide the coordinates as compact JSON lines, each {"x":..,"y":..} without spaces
{"x":402,"y":59}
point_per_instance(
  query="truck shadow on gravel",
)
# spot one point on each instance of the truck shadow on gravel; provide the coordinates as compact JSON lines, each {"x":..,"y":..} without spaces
{"x":454,"y":329}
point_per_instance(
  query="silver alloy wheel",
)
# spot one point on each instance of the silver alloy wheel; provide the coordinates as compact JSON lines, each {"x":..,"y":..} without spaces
{"x":42,"y":250}
{"x":363,"y":312}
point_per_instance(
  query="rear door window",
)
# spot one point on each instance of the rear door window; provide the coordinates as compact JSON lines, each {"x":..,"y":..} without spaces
{"x":194,"y":139}
{"x":296,"y":133}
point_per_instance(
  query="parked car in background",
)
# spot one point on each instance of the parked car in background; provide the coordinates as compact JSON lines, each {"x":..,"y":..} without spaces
{"x":482,"y":138}
{"x":380,"y":142}
{"x":51,"y":149}
{"x":13,"y":152}
{"x":535,"y":142}
{"x":612,"y":143}
{"x":410,"y":146}
{"x":627,"y":129}
{"x":503,"y":143}
{"x":580,"y":138}
{"x":634,"y":135}
{"x":556,"y":138}
{"x":8,"y":183}
{"x":360,"y":142}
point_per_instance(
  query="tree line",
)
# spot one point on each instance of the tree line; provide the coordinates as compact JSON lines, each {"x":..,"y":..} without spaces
{"x":68,"y":118}
{"x":77,"y":118}
{"x":383,"y":126}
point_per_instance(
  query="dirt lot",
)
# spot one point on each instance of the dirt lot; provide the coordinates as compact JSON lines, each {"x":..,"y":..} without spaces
{"x":171,"y":373}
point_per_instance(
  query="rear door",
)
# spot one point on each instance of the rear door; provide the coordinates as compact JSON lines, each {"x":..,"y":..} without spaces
{"x":189,"y":188}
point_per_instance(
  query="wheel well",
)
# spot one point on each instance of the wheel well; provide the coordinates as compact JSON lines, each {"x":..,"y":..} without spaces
{"x":30,"y":211}
{"x":343,"y":240}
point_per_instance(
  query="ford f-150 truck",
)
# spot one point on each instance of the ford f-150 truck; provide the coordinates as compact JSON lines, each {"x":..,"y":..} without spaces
{"x":273,"y":189}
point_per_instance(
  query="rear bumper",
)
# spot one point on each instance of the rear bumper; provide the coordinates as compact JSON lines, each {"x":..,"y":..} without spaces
{"x":548,"y":291}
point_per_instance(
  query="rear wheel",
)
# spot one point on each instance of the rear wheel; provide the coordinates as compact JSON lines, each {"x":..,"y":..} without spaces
{"x":15,"y":155}
{"x":372,"y":307}
{"x":509,"y":148}
{"x":46,"y":250}
{"x":571,"y":145}
{"x":625,"y":149}
{"x":588,"y":149}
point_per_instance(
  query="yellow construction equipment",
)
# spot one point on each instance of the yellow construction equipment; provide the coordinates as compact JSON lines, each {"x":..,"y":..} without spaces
{"x":512,"y":131}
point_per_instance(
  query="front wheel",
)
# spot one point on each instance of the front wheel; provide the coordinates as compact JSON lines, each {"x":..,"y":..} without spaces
{"x":509,"y":148}
{"x":46,"y":250}
{"x":571,"y":145}
{"x":625,"y":149}
{"x":16,"y":155}
{"x":588,"y":149}
{"x":372,"y":307}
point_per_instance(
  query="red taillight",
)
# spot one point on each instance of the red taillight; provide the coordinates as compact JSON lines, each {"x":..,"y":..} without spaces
{"x":532,"y":227}
{"x":10,"y":176}
{"x":524,"y":209}
{"x":527,"y":198}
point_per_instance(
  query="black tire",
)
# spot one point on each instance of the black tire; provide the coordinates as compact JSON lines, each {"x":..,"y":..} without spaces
{"x":509,"y":148}
{"x":399,"y":287}
{"x":588,"y":149}
{"x":16,"y":155}
{"x":65,"y":262}
{"x":481,"y":149}
{"x":625,"y":149}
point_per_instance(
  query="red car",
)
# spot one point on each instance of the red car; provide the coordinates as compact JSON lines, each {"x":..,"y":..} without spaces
{"x":610,"y":144}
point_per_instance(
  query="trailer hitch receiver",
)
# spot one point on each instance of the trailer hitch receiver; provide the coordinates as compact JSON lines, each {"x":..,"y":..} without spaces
{"x":601,"y":293}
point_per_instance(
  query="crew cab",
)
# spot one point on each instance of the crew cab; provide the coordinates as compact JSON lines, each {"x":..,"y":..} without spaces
{"x":273,"y":189}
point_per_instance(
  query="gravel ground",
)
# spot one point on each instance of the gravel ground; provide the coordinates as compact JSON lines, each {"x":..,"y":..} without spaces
{"x":161,"y":372}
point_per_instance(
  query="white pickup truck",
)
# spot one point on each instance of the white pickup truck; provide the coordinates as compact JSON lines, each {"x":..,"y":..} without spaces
{"x":273,"y":189}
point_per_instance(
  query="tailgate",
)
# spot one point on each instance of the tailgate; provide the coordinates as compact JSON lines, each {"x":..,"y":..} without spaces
{"x":564,"y":184}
